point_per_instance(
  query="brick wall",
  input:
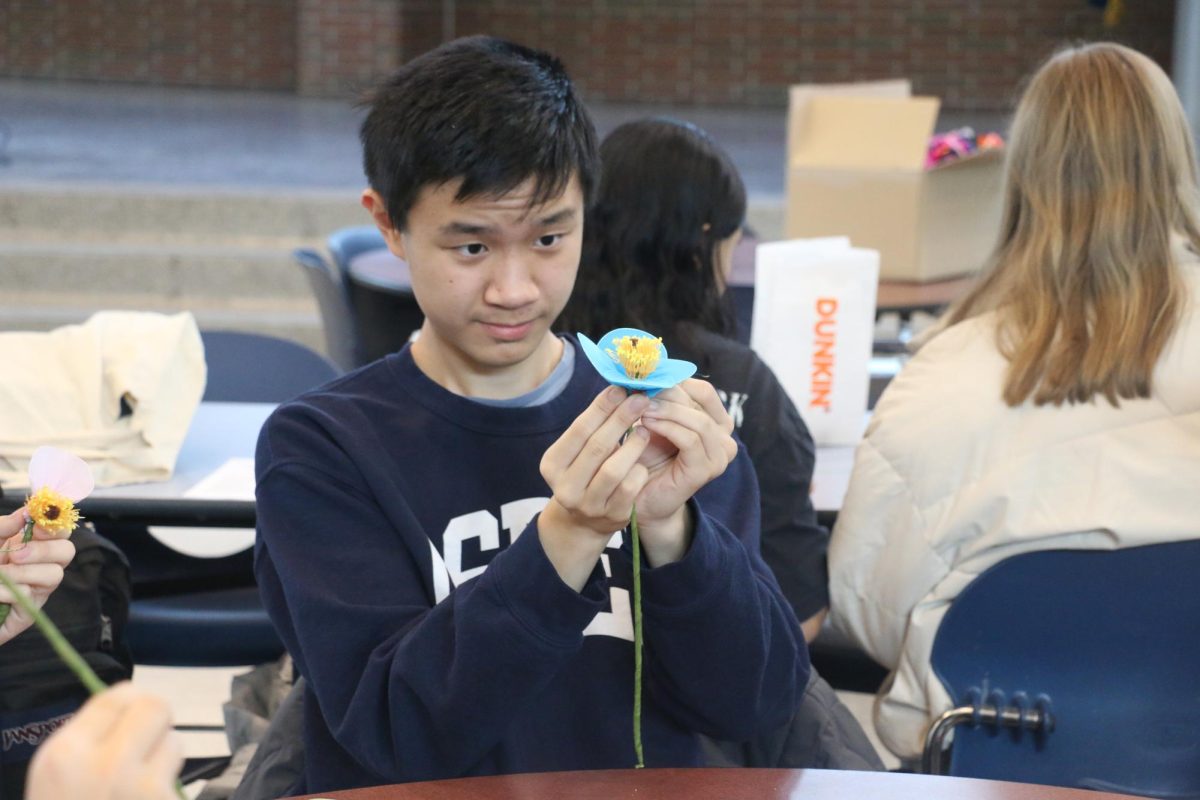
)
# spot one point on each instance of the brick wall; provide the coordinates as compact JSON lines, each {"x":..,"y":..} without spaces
{"x":219,"y":43}
{"x":972,"y":53}
{"x":425,"y":26}
{"x":344,"y":45}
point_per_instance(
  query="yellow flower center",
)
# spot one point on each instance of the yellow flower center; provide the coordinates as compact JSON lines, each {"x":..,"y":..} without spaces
{"x":50,"y":510}
{"x":638,"y":356}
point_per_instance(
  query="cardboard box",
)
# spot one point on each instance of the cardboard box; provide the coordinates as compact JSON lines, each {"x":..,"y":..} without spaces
{"x":856,"y":156}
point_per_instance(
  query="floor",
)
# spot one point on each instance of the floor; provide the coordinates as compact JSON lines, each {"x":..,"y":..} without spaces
{"x":111,"y":133}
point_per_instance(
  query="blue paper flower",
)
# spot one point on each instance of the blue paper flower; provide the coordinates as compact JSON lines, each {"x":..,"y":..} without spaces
{"x":635,"y":360}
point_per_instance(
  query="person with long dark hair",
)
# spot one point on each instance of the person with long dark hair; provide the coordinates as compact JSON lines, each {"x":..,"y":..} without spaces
{"x":658,"y":250}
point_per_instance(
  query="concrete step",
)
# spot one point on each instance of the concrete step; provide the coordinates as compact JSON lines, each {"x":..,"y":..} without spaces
{"x":224,"y":255}
{"x":123,"y":209}
{"x":151,"y":238}
{"x":130,"y":210}
{"x":165,"y":270}
{"x":296,"y":319}
{"x":24,"y":304}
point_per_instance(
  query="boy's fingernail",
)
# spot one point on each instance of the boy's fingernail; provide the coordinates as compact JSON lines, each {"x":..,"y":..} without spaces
{"x":655,"y":405}
{"x":638,"y":402}
{"x":616,"y":394}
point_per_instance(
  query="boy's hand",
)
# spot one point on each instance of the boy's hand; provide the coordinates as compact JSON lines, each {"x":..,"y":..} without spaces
{"x":595,"y":479}
{"x":692,"y":443}
{"x":37,"y":568}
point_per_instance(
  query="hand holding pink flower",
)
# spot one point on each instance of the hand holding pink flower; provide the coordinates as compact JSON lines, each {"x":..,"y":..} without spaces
{"x":37,"y":567}
{"x":57,"y":480}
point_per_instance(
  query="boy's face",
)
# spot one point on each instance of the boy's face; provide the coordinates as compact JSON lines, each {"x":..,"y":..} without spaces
{"x":491,"y":274}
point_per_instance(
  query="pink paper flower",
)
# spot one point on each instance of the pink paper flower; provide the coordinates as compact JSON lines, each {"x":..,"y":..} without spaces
{"x":57,"y":481}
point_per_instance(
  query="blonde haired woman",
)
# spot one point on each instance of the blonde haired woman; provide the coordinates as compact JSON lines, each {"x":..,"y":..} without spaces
{"x":1059,"y":405}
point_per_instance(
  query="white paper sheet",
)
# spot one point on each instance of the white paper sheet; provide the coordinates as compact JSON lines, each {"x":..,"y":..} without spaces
{"x":233,"y":480}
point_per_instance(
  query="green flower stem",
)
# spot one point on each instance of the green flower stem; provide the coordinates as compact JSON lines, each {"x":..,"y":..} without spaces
{"x":637,"y":639}
{"x":26,"y":535}
{"x":69,"y":655}
{"x":66,"y":652}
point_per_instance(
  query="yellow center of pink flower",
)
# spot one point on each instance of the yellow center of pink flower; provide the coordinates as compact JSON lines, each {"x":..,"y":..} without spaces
{"x":638,"y":356}
{"x":50,"y":510}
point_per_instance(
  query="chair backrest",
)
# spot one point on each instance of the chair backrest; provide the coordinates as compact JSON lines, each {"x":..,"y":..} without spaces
{"x":337,"y":320}
{"x":345,"y":243}
{"x":1109,"y":640}
{"x":256,"y":368}
{"x":384,"y":320}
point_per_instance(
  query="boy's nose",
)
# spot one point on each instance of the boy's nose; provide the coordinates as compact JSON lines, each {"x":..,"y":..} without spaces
{"x":512,"y":284}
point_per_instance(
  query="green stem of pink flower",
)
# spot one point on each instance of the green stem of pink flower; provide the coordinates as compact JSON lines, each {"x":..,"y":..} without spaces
{"x":69,"y":655}
{"x":59,"y":642}
{"x":637,"y":639}
{"x":26,"y":535}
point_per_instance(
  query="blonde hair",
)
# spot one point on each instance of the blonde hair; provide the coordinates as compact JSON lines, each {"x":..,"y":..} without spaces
{"x":1100,"y":174}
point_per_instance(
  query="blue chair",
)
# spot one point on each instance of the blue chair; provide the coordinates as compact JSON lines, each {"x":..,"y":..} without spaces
{"x":256,"y":368}
{"x":214,"y":616}
{"x":1076,"y":668}
{"x":337,"y":320}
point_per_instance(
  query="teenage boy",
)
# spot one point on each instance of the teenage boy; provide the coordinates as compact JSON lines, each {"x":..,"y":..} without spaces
{"x":436,"y":530}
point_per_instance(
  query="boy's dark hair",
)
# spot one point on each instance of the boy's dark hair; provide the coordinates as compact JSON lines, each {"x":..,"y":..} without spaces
{"x":482,"y":109}
{"x":668,"y":195}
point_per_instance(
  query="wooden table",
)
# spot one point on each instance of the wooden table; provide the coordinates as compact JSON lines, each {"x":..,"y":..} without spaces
{"x":718,"y":784}
{"x":904,"y":297}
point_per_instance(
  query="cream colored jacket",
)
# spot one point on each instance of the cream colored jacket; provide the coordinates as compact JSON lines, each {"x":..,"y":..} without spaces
{"x":65,"y":388}
{"x":949,"y":481}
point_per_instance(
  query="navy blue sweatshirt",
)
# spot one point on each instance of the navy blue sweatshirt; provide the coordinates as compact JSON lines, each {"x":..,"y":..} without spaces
{"x":398,"y":556}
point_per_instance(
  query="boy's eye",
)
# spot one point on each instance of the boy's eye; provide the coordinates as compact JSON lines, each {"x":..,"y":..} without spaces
{"x":549,"y":240}
{"x":472,"y":249}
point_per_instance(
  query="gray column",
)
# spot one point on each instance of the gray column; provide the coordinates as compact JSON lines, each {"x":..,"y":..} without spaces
{"x":1186,"y":69}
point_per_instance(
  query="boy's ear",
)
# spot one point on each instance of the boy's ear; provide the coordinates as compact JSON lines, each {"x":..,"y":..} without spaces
{"x":375,"y":206}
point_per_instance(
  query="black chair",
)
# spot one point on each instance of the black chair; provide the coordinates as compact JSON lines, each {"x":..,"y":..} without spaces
{"x":206,"y":612}
{"x":1076,"y":668}
{"x":846,"y":667}
{"x":346,"y":243}
{"x":384,"y":320}
{"x":329,"y":287}
{"x":383,"y":307}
